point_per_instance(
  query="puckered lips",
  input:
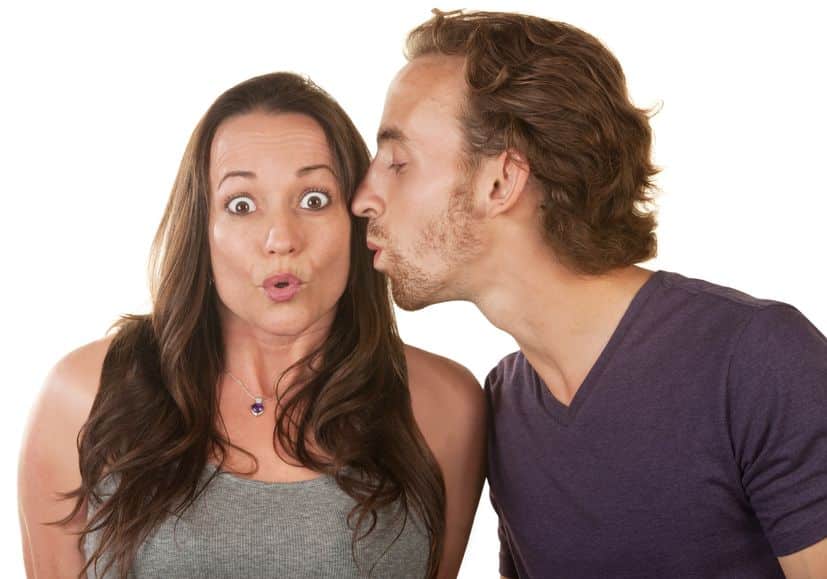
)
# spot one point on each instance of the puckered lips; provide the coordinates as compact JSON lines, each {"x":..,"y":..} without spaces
{"x":373,"y":247}
{"x":282,"y":287}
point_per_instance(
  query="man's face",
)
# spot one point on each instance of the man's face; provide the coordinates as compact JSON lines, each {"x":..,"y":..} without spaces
{"x":417,"y":194}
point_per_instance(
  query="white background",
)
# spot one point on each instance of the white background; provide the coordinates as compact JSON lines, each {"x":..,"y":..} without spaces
{"x":98,"y":101}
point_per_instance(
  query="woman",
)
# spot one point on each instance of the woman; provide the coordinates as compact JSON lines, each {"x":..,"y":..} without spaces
{"x":264,"y":419}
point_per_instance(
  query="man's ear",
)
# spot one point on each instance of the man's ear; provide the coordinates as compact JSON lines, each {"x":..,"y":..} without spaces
{"x":503,"y":180}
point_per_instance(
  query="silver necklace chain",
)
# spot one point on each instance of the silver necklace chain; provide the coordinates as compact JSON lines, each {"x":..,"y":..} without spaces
{"x":240,"y":382}
{"x":257,"y":409}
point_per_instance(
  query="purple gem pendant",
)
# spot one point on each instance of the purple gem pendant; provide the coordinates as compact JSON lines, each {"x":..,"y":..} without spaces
{"x":257,"y":408}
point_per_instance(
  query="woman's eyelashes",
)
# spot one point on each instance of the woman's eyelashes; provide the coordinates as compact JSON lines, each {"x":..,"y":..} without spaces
{"x":240,"y":205}
{"x":397,"y":167}
{"x":314,"y":199}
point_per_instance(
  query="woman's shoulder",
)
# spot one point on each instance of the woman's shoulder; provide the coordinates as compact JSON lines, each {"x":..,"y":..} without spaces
{"x":75,"y":378}
{"x":435,"y":375}
{"x":67,"y":394}
{"x":450,"y":411}
{"x":48,"y":463}
{"x":49,"y":455}
{"x":445,"y":396}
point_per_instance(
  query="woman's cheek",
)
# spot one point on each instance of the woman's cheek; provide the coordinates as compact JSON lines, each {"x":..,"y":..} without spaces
{"x":230,"y":248}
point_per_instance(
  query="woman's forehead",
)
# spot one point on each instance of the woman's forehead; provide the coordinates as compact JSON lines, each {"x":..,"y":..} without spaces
{"x":268,"y":141}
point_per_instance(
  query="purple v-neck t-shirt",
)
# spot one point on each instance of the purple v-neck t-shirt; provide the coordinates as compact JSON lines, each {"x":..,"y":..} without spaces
{"x":696,"y":446}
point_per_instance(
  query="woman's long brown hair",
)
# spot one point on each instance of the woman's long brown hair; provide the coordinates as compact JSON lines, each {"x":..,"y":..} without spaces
{"x":155,"y":420}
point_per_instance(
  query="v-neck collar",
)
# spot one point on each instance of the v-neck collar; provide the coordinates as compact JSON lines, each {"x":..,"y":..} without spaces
{"x":566,"y":415}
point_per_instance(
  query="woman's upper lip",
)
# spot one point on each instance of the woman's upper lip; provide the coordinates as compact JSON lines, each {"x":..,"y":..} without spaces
{"x":281,"y":278}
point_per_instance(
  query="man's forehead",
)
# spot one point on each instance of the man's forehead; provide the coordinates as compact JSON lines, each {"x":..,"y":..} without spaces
{"x":428,"y":85}
{"x":434,"y":69}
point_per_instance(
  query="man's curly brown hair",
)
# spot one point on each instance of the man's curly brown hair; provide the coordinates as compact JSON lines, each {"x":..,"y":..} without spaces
{"x":558,"y":96}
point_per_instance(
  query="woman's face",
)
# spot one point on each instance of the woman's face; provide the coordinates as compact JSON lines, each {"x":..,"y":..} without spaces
{"x":279,"y":224}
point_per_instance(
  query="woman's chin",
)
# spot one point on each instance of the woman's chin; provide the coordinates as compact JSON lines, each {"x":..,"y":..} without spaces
{"x":294,"y":324}
{"x":286,"y":321}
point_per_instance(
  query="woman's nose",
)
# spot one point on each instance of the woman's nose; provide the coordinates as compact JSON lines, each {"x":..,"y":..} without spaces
{"x":282,"y":238}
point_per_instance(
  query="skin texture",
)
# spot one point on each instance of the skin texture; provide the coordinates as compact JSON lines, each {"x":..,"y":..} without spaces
{"x":284,"y":227}
{"x":425,"y":232}
{"x":260,"y":226}
{"x":49,"y":463}
{"x":560,"y":319}
{"x":508,"y":268}
{"x":809,"y":563}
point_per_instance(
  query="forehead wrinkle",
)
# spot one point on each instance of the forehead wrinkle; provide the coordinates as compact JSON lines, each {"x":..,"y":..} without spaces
{"x":290,"y":140}
{"x":258,"y":151}
{"x":256,"y":128}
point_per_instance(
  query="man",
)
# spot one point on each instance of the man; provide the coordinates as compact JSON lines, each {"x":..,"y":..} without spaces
{"x":650,"y":425}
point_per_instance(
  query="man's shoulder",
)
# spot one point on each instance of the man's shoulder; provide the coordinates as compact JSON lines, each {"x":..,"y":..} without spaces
{"x":508,"y":370}
{"x":686,"y":309}
{"x":779,"y":338}
{"x":723,"y":295}
{"x":758,"y":339}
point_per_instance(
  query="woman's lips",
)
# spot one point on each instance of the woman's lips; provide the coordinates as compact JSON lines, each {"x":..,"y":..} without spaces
{"x":282,"y":287}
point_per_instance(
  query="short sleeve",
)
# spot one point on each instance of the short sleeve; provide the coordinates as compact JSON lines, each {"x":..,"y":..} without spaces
{"x":507,"y":567}
{"x":777,"y":391}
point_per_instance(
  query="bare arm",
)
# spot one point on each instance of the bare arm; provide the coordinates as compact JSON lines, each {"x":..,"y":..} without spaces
{"x":809,"y":563}
{"x":449,"y":407}
{"x":49,"y":465}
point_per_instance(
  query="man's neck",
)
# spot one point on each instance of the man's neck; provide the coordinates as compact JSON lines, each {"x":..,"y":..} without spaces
{"x":562,"y":321}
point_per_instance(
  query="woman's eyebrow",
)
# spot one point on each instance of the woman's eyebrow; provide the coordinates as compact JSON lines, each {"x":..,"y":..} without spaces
{"x":300,"y":173}
{"x":247,"y":174}
{"x":310,"y":168}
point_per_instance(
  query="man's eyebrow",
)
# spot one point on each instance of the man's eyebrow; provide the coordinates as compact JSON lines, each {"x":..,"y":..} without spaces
{"x":310,"y":168}
{"x":247,"y":174}
{"x":391,"y":134}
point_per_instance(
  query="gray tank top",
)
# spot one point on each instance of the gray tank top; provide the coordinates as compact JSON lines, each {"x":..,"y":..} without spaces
{"x":240,"y":527}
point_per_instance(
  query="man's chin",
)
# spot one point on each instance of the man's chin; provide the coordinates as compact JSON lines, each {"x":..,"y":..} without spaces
{"x":409,"y":303}
{"x":410,"y":306}
{"x":412,"y":289}
{"x":405,"y":300}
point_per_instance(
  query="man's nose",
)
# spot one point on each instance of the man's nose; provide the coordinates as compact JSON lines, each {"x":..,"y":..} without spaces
{"x":368,"y":202}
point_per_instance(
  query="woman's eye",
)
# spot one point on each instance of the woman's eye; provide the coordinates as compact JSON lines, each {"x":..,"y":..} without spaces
{"x":397,"y":167}
{"x":241,"y":205}
{"x":314,"y":200}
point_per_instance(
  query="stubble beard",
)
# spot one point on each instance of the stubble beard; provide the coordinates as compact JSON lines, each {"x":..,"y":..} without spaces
{"x":452,"y":238}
